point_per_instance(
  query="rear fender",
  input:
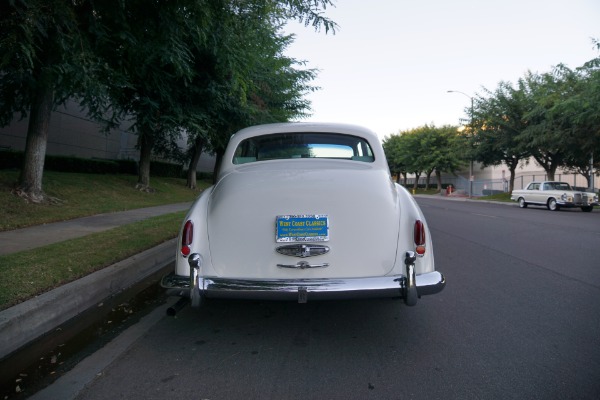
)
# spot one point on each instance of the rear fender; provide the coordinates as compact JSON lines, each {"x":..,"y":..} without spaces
{"x":198,"y":215}
{"x":409,"y":213}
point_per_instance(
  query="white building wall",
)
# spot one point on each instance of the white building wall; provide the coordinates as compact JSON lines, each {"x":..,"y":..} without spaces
{"x":73,"y":133}
{"x":530,"y":171}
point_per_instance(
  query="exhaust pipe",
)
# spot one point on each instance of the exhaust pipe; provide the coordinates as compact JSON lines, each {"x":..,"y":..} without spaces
{"x":175,"y":308}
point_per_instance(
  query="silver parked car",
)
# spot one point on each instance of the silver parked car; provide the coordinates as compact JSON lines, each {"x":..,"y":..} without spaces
{"x":304,"y":211}
{"x":554,"y":195}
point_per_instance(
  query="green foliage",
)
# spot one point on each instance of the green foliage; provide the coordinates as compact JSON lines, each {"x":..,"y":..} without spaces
{"x":545,"y":136}
{"x":553,"y":116}
{"x":392,"y":146}
{"x":207,"y":67}
{"x":425,"y":149}
{"x":43,"y":43}
{"x":249,"y":81}
{"x":579,"y":113}
{"x":498,"y":122}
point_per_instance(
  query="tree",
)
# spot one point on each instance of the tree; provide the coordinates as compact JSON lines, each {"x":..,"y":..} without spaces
{"x":548,"y":135}
{"x":151,"y":50}
{"x":273,"y":92}
{"x":424,"y":150}
{"x":46,"y":57}
{"x":392,"y":148}
{"x":498,"y":123}
{"x":194,"y":48}
{"x":554,"y":117}
{"x":124,"y":60}
{"x":444,"y":153}
{"x":409,"y":154}
{"x":580,"y":111}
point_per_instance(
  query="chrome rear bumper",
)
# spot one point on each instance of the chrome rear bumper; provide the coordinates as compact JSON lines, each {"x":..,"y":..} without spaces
{"x":302,"y":290}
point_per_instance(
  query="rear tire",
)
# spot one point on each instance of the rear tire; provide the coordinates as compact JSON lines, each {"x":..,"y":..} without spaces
{"x":552,"y":205}
{"x":522,"y":203}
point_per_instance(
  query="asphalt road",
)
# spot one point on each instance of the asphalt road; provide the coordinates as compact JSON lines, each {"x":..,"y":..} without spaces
{"x":519,"y":319}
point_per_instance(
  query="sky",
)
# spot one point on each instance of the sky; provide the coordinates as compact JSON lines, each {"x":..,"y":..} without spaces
{"x":391,"y":63}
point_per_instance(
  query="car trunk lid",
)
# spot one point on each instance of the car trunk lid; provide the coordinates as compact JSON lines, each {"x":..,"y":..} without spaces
{"x":358,"y":202}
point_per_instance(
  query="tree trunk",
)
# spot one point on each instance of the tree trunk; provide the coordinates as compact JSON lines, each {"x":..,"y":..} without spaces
{"x":549,"y":164}
{"x":511,"y":182}
{"x":219,"y":154}
{"x":551,"y":172}
{"x":191,"y":175}
{"x":30,"y":179}
{"x":416,"y":184}
{"x":438,"y":176}
{"x":428,"y":179}
{"x":146,"y":141}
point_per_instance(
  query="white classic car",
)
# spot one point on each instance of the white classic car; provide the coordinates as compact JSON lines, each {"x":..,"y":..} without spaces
{"x":554,"y":195}
{"x":304,"y":211}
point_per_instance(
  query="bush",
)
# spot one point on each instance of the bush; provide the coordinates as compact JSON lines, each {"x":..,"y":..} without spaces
{"x":10,"y":159}
{"x":129,"y":167}
{"x":165,"y":170}
{"x":75,"y":164}
{"x":14,"y":159}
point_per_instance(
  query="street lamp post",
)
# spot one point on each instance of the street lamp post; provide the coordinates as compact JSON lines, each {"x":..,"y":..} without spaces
{"x":472,"y":126}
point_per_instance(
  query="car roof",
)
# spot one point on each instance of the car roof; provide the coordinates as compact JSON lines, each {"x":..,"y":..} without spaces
{"x":291,"y":127}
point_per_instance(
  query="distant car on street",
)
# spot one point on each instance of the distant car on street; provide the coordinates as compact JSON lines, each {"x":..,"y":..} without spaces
{"x":304,"y":211}
{"x":554,"y":195}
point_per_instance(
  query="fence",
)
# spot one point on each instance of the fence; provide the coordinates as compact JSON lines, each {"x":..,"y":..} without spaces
{"x":486,"y":187}
{"x":575,"y":180}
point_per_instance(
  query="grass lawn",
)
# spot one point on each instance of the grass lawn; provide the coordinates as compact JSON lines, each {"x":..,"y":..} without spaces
{"x":29,"y":273}
{"x":496,"y":197}
{"x":86,"y":194}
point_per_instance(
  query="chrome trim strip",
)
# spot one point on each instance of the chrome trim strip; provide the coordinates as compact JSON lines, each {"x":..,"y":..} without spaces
{"x":303,"y":265}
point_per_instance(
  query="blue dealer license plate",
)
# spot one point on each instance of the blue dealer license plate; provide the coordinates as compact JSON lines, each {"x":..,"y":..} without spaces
{"x":302,"y":228}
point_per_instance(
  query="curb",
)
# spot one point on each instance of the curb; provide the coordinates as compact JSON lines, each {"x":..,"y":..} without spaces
{"x":464,"y":199}
{"x":27,"y":321}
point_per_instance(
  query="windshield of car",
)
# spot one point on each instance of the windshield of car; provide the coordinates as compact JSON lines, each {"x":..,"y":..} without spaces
{"x":303,"y":145}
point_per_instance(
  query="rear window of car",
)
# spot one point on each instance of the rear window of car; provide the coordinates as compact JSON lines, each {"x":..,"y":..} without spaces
{"x":282,"y":146}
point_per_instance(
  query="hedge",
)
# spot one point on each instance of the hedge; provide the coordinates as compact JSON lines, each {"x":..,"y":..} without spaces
{"x":14,"y":159}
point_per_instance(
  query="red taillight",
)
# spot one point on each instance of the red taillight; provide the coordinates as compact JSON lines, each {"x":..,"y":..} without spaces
{"x":419,"y":236}
{"x":187,"y":236}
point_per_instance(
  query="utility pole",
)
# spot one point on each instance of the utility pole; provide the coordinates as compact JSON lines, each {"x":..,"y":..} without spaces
{"x":592,"y":175}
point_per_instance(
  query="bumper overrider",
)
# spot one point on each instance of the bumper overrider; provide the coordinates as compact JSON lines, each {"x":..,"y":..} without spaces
{"x":410,"y":287}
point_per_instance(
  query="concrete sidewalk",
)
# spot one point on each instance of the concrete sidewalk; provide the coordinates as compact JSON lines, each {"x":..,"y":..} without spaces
{"x":42,"y":235}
